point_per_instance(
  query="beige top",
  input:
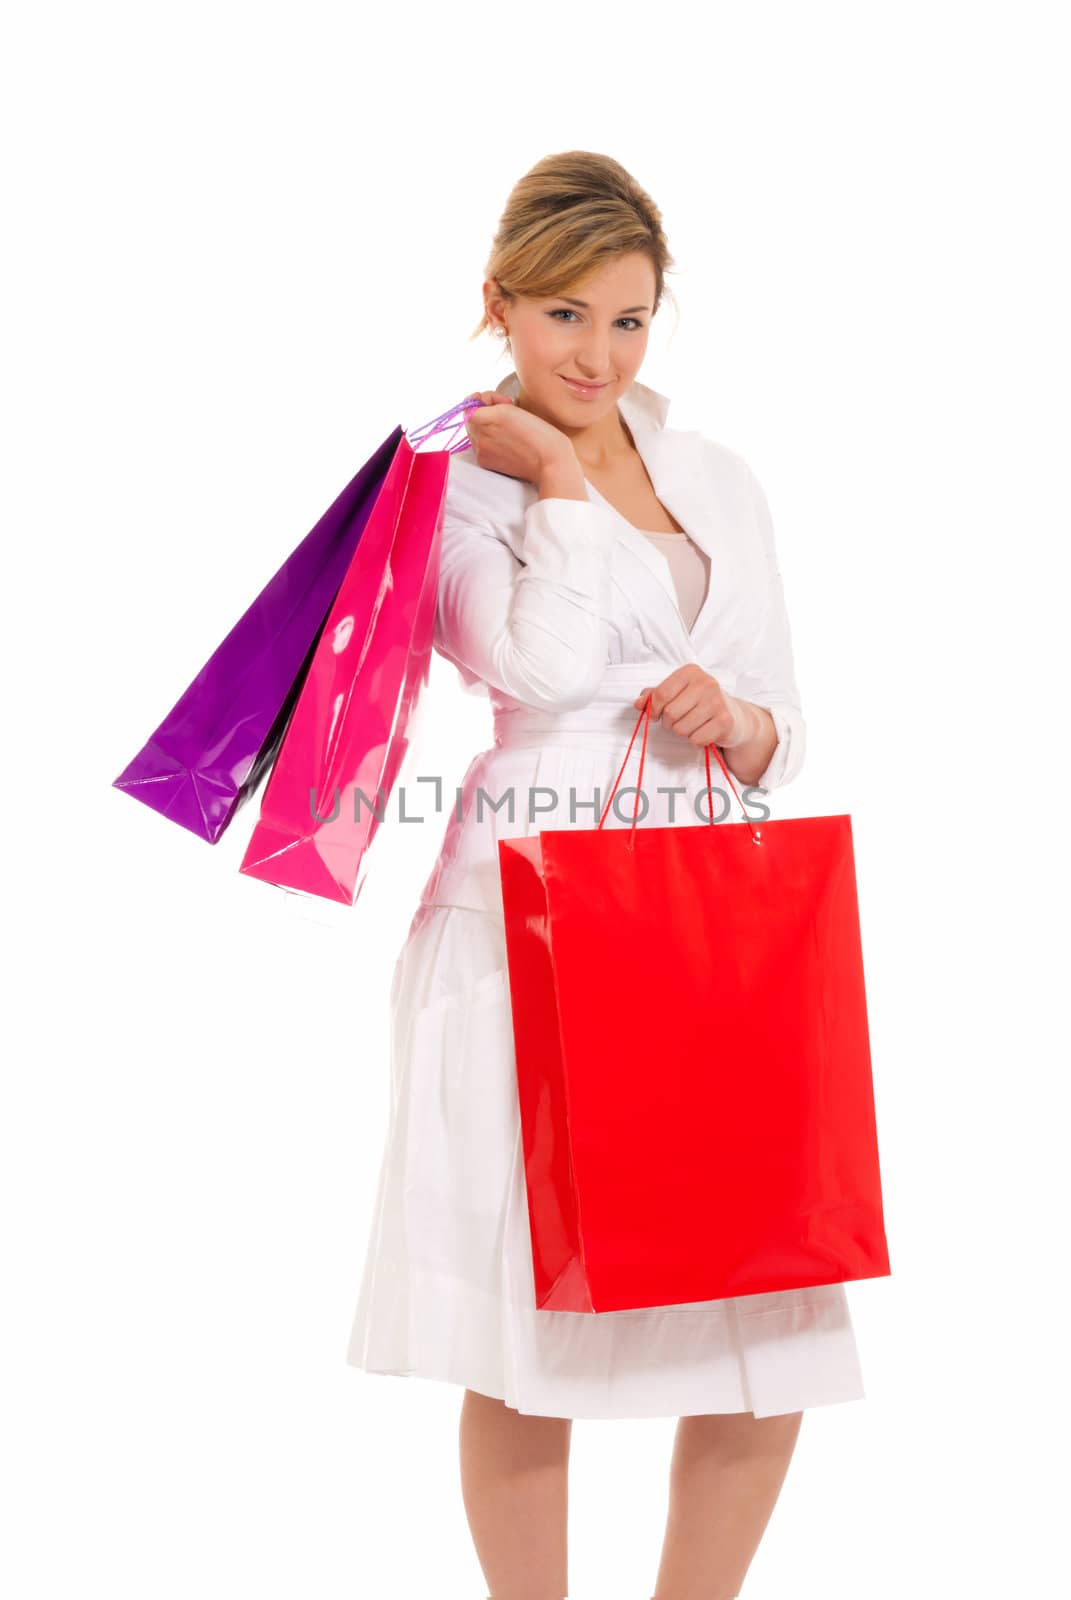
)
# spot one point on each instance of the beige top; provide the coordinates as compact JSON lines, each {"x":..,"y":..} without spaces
{"x":690,"y":567}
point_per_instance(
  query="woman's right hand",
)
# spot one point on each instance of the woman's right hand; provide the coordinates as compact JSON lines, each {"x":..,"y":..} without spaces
{"x":506,"y":439}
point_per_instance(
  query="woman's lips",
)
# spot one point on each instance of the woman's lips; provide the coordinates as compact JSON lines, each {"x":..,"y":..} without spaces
{"x":584,"y":391}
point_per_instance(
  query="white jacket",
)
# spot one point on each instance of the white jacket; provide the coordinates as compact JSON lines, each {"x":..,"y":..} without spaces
{"x":561,"y":611}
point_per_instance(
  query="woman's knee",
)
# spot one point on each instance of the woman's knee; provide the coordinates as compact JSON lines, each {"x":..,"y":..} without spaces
{"x":491,"y":1414}
{"x":741,"y":1433}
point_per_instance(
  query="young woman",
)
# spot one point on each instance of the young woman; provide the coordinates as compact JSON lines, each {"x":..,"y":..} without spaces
{"x":590,"y":556}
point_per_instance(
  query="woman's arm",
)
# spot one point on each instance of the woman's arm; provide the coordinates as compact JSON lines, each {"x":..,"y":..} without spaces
{"x":749,"y":756}
{"x":768,"y":683}
{"x":536,"y":629}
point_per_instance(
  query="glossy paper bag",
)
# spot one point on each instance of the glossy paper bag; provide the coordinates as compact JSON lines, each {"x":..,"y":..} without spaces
{"x":347,"y":737}
{"x":213,"y":747}
{"x":693,"y":1060}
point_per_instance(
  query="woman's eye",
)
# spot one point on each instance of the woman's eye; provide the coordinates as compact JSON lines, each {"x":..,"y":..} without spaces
{"x":563,"y":311}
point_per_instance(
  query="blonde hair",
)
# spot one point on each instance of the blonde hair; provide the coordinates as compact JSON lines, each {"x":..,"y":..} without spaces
{"x":568,"y":216}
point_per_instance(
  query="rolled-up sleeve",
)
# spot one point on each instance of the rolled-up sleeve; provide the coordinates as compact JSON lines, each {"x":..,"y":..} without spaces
{"x":768,"y":678}
{"x":534,"y":626}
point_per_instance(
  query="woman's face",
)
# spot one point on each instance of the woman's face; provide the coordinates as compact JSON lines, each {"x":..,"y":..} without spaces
{"x":597,"y":334}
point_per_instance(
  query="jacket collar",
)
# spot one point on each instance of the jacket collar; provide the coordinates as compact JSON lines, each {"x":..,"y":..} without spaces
{"x":674,"y":461}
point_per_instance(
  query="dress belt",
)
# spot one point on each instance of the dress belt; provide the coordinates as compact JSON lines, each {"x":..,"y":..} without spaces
{"x":604,"y":724}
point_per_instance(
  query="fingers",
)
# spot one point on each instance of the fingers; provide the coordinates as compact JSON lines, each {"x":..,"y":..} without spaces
{"x":474,"y":415}
{"x":486,"y":397}
{"x":490,"y":397}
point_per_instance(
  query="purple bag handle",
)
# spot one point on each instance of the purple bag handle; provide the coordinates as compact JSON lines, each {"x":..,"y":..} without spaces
{"x":418,"y":436}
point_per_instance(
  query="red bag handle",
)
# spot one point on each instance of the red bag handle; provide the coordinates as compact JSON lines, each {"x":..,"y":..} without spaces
{"x":645,"y":717}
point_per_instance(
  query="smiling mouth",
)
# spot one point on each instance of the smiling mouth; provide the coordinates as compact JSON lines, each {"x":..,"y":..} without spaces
{"x":580,"y":384}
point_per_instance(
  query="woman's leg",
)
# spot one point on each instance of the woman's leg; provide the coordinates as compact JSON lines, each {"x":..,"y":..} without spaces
{"x":514,"y":1482}
{"x":725,"y":1477}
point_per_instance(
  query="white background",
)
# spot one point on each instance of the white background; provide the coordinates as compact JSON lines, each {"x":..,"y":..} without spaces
{"x":244,"y":243}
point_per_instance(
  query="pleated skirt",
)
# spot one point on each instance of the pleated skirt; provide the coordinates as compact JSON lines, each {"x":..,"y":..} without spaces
{"x":447,"y":1290}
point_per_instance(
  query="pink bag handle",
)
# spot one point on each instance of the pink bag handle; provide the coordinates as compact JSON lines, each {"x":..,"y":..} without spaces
{"x":417,"y":436}
{"x":646,"y":714}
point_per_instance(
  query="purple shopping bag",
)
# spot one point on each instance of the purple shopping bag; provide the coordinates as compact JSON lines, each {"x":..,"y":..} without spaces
{"x":213,"y":747}
{"x":350,"y":728}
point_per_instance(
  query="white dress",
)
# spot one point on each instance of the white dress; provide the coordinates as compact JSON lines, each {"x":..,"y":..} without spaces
{"x":447,"y":1290}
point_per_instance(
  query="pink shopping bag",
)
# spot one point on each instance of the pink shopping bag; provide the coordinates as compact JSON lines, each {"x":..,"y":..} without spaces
{"x":347,"y":738}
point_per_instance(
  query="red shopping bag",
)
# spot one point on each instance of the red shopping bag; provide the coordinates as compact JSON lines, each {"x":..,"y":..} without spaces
{"x":693,"y":1059}
{"x":347,"y":738}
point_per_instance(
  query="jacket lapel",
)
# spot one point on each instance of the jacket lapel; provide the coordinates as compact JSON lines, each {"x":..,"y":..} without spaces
{"x":675,"y":467}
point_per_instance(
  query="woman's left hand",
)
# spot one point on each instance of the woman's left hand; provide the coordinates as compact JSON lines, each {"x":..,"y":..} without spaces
{"x":693,"y":704}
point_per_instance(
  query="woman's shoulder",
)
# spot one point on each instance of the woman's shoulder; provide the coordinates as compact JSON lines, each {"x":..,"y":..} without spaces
{"x":738,"y":488}
{"x":483,"y":500}
{"x":729,"y":468}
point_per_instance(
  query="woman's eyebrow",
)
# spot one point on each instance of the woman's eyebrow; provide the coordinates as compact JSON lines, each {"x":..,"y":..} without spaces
{"x":586,"y":307}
